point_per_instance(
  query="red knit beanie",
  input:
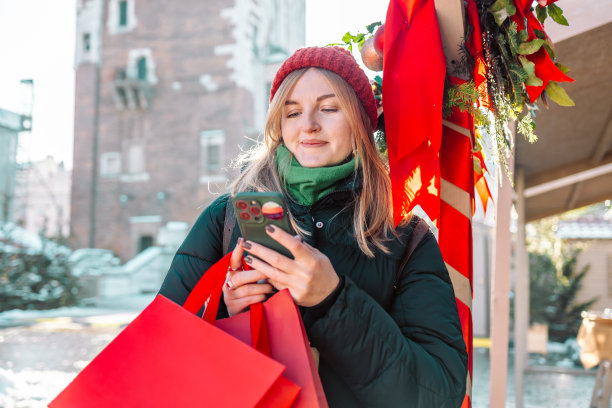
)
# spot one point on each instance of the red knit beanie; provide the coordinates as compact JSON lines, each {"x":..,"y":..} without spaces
{"x":335,"y":59}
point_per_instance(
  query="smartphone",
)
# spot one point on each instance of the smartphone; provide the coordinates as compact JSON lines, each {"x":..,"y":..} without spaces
{"x":255,"y":210}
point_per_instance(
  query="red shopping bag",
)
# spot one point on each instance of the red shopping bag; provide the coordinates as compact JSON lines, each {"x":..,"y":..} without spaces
{"x":288,"y":345}
{"x":283,"y":336}
{"x":168,"y":357}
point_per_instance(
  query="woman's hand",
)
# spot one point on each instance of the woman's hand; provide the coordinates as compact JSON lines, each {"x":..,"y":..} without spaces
{"x":241,"y":289}
{"x":310,"y":276}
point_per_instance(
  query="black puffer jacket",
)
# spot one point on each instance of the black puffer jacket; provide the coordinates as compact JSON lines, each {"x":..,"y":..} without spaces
{"x":379,"y":346}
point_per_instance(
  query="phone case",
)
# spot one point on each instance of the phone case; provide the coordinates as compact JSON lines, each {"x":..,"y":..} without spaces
{"x":255,"y":210}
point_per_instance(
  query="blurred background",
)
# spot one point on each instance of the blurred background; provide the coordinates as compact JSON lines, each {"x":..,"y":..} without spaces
{"x":119,"y":120}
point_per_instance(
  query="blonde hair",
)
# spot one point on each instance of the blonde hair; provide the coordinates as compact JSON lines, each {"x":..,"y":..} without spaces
{"x":373,"y":216}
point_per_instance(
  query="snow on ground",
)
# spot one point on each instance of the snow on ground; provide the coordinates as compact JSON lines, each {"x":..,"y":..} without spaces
{"x":31,"y":388}
{"x":113,"y":307}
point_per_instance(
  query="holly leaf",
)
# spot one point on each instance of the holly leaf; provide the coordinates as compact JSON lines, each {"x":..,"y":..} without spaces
{"x":509,"y":6}
{"x":529,"y":67}
{"x":541,"y":13}
{"x":497,"y":6}
{"x":556,"y":14}
{"x":539,"y":34}
{"x":558,"y":94}
{"x":500,"y":16}
{"x":361,"y":42}
{"x":499,"y":11}
{"x":530,"y":47}
{"x":562,"y":67}
{"x":372,"y":26}
{"x":550,"y":48}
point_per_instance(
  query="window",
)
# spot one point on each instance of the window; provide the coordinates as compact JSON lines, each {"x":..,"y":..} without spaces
{"x":141,"y":67}
{"x":134,"y":161}
{"x":211,"y":153}
{"x":135,"y":158}
{"x":213,"y":164}
{"x":86,"y":42}
{"x":121,"y":16}
{"x":123,"y":13}
{"x":110,"y":164}
{"x":145,"y":242}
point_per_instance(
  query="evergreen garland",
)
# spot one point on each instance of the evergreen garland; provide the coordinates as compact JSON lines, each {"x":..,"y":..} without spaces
{"x":508,"y":73}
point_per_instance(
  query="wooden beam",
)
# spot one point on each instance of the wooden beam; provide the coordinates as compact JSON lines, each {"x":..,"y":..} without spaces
{"x":574,"y":196}
{"x":563,"y":171}
{"x":569,"y":180}
{"x":530,"y":217}
{"x":500,"y":289}
{"x":599,"y":152}
{"x":521,"y":292}
{"x":604,"y":142}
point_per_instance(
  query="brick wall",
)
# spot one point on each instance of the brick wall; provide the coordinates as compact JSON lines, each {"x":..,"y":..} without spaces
{"x":182,"y":39}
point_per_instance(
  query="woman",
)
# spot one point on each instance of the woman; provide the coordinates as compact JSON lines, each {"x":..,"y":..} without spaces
{"x":387,"y":338}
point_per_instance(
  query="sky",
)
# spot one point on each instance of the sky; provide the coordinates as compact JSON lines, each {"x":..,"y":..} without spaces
{"x":37,"y":42}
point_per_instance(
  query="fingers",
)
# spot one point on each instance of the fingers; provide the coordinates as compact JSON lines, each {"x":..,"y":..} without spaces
{"x":240,"y":278}
{"x":268,"y":255}
{"x":272,"y":273}
{"x":294,"y":243}
{"x":241,"y":290}
{"x":238,"y":305}
{"x":236,"y":258}
{"x":252,"y":289}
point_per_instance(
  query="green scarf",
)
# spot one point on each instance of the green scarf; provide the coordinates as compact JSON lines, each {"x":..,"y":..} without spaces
{"x":309,"y":184}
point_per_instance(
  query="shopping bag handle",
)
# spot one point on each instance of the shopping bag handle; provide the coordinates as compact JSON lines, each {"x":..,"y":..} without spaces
{"x":210,"y":286}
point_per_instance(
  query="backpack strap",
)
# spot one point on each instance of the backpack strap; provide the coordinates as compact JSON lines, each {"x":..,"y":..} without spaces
{"x":419,"y":230}
{"x":229,"y":223}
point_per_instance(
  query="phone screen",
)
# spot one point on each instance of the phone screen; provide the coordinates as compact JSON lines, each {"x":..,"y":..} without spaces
{"x":256,"y":210}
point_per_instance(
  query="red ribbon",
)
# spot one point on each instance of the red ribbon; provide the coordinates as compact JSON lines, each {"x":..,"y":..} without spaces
{"x":545,"y":68}
{"x":480,"y":183}
{"x":474,"y":45}
{"x":413,"y":85}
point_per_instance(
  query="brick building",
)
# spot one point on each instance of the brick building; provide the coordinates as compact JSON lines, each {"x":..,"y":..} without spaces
{"x":166,"y":93}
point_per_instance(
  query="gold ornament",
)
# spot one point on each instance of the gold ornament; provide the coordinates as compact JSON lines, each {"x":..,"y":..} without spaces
{"x":370,"y":57}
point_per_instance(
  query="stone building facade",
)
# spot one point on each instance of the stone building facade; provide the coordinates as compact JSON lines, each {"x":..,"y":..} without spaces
{"x":42,"y":198}
{"x":166,"y":96}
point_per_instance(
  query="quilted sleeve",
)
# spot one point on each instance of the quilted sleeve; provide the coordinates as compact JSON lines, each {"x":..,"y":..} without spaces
{"x":412,"y":354}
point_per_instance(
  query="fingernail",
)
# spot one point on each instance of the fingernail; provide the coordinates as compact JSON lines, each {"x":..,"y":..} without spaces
{"x":246,"y":245}
{"x":269,"y":228}
{"x":229,"y":284}
{"x":240,"y":240}
{"x":299,"y":237}
{"x":248,"y":259}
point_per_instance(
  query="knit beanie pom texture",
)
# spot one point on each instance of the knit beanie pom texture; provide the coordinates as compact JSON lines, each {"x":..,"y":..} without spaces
{"x":335,"y":59}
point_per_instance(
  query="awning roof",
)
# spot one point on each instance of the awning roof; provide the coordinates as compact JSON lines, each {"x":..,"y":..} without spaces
{"x":571,"y":163}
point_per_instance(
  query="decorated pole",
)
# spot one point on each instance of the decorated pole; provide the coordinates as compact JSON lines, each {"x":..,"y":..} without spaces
{"x":430,"y":159}
{"x":448,"y":78}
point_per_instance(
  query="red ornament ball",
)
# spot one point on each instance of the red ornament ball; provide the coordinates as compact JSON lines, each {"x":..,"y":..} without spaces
{"x":379,"y":39}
